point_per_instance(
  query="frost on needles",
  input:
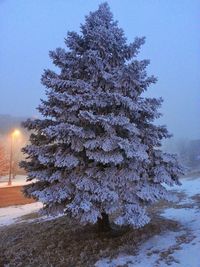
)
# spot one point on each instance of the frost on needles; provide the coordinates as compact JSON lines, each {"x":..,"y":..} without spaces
{"x":97,"y":150}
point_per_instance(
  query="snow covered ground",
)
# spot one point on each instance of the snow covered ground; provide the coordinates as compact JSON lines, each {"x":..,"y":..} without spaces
{"x":12,"y":214}
{"x":175,"y":249}
{"x":17,"y":181}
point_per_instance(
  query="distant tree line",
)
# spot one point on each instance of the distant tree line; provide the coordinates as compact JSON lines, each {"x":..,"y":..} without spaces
{"x":187,"y":150}
{"x":189,"y":153}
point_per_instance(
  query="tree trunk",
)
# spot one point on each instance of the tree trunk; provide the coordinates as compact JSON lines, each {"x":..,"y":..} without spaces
{"x":103,"y":223}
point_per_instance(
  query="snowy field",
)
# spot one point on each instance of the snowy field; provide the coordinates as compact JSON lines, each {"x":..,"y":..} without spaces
{"x":176,"y":249}
{"x":17,"y":181}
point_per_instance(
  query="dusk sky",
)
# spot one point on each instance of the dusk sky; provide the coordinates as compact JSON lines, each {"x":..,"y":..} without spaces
{"x":29,"y":29}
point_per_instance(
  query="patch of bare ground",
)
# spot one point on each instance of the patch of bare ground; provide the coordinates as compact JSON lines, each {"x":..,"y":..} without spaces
{"x":63,"y":242}
{"x":31,"y":216}
{"x":196,"y":199}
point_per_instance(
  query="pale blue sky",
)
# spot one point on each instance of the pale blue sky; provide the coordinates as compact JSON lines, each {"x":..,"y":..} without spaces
{"x":30,"y":28}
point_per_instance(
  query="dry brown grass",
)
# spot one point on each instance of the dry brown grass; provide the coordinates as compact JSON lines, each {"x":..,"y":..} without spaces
{"x":64,"y":243}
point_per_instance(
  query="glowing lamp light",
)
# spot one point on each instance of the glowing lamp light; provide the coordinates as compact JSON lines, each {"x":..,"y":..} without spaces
{"x":15,"y":133}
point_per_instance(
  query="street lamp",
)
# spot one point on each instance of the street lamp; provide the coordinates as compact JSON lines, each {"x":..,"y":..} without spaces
{"x":13,"y":135}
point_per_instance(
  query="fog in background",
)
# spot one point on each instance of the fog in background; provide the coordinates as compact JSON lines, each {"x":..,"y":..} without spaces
{"x":29,"y":29}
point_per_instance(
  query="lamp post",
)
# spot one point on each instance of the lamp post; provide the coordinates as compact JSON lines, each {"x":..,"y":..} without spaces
{"x":14,"y":134}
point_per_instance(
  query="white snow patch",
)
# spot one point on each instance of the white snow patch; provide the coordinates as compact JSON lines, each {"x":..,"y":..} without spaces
{"x":19,"y":180}
{"x":190,"y":186}
{"x":11,"y":214}
{"x":186,"y":216}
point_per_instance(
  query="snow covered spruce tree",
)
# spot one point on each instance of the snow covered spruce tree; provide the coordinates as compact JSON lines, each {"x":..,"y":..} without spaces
{"x":96,"y":150}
